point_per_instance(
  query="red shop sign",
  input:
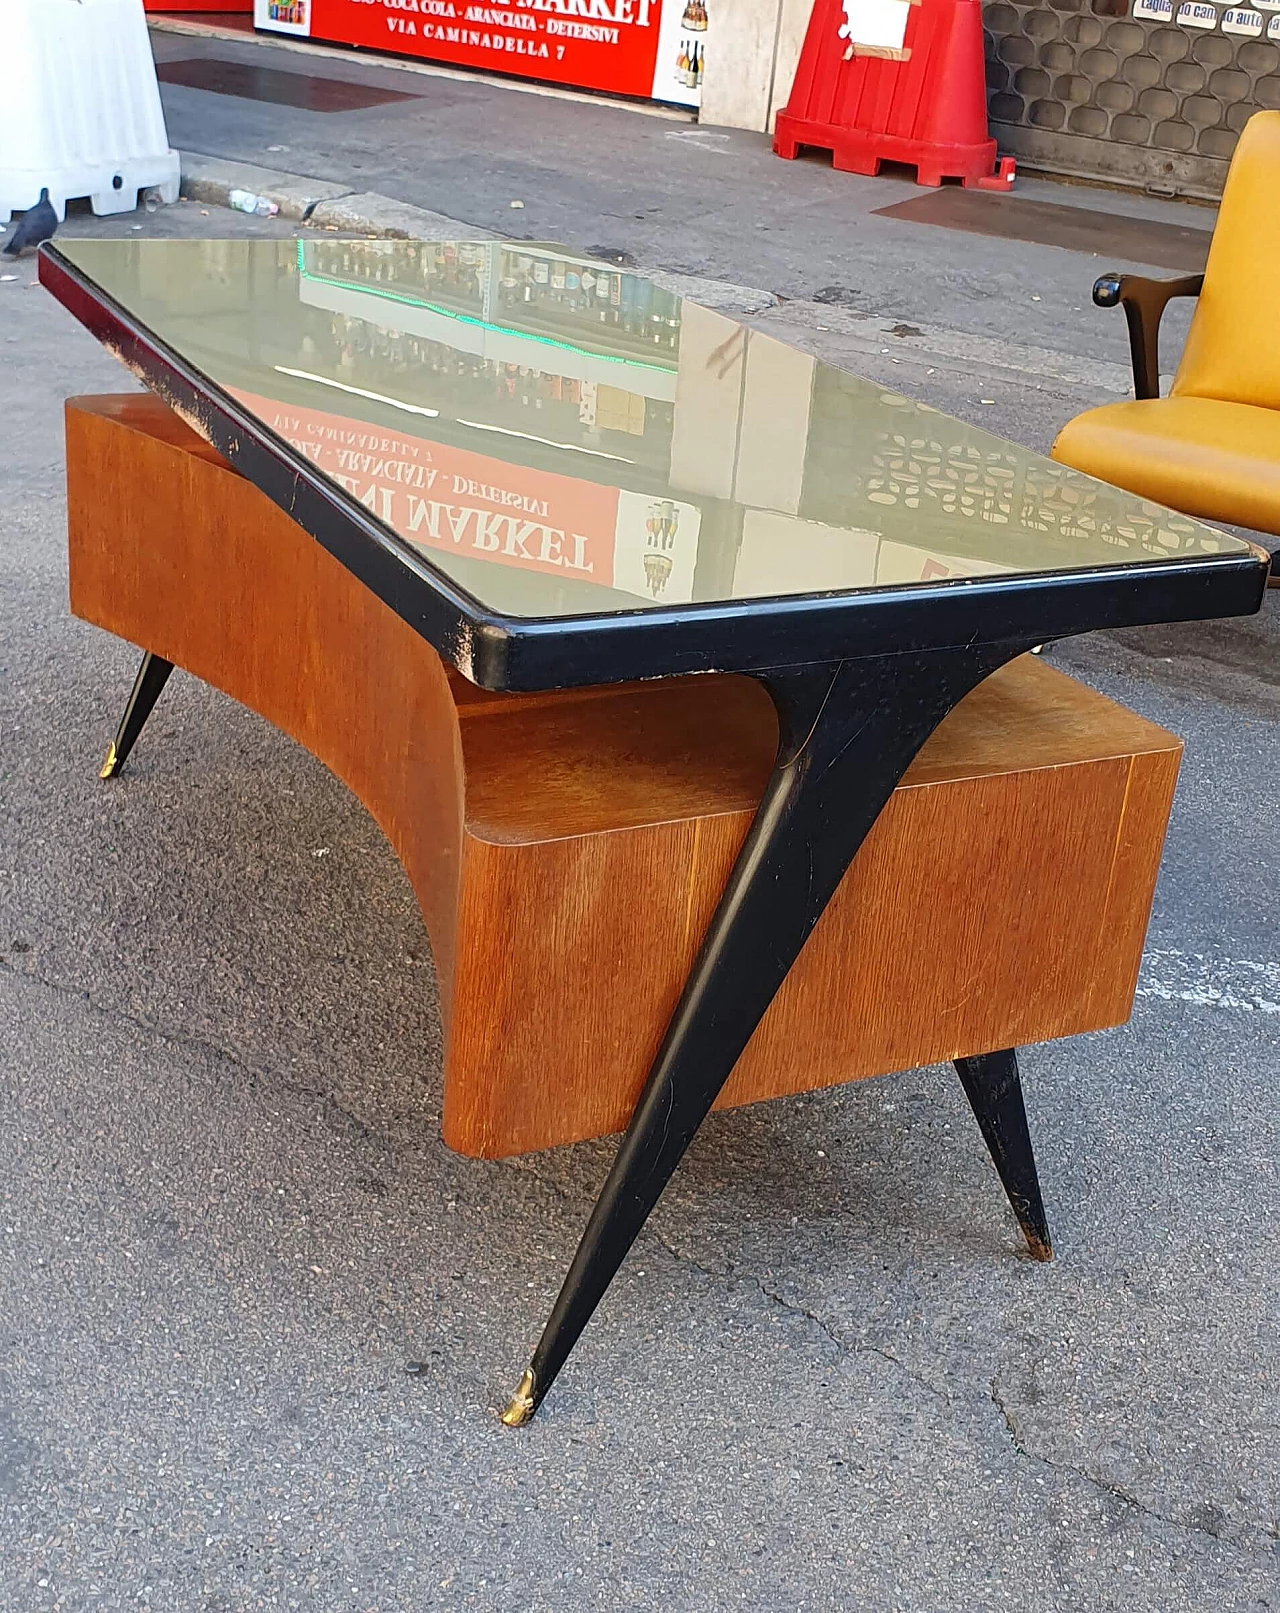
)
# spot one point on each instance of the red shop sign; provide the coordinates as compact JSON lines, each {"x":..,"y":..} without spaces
{"x":628,"y":47}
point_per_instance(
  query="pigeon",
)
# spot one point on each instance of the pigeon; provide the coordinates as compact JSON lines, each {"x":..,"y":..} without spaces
{"x":37,"y":224}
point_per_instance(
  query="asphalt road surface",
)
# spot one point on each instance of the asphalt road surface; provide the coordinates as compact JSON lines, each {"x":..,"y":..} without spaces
{"x":826,"y":1378}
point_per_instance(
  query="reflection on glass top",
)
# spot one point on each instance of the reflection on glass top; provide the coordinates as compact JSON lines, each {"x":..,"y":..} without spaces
{"x":563,"y":438}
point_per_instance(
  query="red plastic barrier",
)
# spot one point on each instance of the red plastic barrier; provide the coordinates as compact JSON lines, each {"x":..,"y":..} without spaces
{"x":924,"y":103}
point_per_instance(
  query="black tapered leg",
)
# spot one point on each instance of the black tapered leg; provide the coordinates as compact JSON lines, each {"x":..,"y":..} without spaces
{"x":847,"y":732}
{"x":152,"y":676}
{"x":994,"y":1089}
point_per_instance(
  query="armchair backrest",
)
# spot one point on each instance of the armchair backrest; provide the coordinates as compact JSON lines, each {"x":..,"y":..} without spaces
{"x":1233,"y":347}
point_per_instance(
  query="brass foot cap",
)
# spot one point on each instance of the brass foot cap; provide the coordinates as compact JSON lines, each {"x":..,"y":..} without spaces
{"x":109,"y":766}
{"x":521,"y":1407}
{"x":1039,"y":1248}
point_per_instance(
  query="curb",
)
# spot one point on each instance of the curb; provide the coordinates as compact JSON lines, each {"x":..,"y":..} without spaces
{"x":327,"y":205}
{"x":374,"y":214}
{"x":211,"y":180}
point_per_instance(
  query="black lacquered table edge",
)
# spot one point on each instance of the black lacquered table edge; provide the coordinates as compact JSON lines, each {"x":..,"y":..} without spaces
{"x":859,"y":682}
{"x":503,"y":652}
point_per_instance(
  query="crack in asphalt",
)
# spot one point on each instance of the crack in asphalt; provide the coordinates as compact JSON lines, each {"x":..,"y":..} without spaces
{"x":197,"y":1044}
{"x":1117,"y":1492}
{"x":793,"y":1307}
{"x":1266,"y":1539}
{"x":414,"y":1140}
{"x":730,"y":1271}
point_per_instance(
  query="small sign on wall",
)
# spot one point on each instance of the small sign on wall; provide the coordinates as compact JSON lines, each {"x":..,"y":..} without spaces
{"x":876,"y":28}
{"x":1242,"y":21}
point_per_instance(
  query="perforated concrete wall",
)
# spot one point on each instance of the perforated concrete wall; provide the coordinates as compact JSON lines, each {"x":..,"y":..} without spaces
{"x":1093,"y":89}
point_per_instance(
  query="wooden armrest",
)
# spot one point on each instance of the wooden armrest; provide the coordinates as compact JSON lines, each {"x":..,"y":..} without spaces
{"x":1144,"y":302}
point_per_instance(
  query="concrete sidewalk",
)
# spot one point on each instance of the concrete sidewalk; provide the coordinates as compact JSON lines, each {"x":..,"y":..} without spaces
{"x":825,"y":1379}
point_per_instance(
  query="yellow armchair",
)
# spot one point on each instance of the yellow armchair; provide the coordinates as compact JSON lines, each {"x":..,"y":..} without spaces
{"x":1212,"y":447}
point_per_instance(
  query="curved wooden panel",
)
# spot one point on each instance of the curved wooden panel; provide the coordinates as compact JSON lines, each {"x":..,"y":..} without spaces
{"x":172,"y":550}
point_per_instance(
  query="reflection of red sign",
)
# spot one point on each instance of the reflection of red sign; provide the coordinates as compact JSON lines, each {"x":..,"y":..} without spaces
{"x":439,"y":497}
{"x":595,"y":44}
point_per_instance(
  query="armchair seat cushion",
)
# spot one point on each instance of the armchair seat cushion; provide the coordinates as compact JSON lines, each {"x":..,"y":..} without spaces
{"x":1204,"y":456}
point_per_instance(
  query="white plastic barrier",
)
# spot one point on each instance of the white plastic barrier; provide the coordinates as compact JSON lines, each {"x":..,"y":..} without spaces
{"x":82,"y":109}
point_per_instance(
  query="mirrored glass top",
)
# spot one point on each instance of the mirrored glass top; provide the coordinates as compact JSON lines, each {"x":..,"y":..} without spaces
{"x":561,"y":437}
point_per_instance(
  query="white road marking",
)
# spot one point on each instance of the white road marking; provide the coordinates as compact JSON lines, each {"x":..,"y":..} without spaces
{"x":1191,"y":977}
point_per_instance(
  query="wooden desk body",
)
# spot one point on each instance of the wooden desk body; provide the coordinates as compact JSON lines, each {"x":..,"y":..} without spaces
{"x":568,"y":848}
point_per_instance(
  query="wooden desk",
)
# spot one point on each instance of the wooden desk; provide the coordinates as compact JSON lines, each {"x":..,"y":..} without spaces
{"x":568,"y":848}
{"x":867,"y":834}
